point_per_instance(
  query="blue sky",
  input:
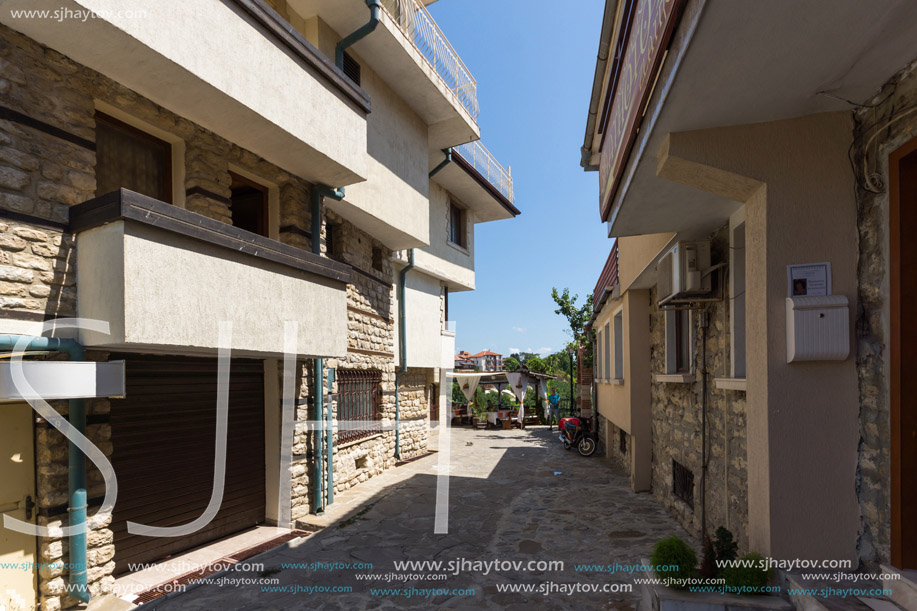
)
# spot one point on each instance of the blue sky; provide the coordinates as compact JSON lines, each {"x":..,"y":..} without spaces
{"x":533,"y":62}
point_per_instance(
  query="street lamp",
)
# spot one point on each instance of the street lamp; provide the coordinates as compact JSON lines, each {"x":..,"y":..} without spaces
{"x":571,"y":352}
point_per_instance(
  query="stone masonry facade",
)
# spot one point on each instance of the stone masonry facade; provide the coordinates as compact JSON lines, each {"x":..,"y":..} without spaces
{"x":676,"y":418}
{"x":874,"y":138}
{"x":41,"y":175}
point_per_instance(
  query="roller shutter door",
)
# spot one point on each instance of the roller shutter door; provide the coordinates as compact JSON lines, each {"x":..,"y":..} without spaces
{"x":163,"y":437}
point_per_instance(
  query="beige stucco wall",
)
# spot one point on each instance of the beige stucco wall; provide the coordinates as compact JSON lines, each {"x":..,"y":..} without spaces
{"x":448,"y":262}
{"x":393,"y":203}
{"x":635,"y":253}
{"x":166,"y":292}
{"x":627,"y":405}
{"x":794,"y":177}
{"x":423,"y":321}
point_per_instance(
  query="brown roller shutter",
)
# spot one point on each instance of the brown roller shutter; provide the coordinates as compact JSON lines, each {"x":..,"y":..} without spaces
{"x":163,"y":436}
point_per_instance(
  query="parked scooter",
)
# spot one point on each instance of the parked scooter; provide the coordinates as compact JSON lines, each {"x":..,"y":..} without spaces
{"x":578,"y":432}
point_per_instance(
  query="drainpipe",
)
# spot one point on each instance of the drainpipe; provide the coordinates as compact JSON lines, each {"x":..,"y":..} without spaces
{"x":402,"y":344}
{"x":375,"y":9}
{"x":77,"y":470}
{"x":704,"y":322}
{"x":318,"y":193}
{"x":443,"y":163}
{"x":329,"y":441}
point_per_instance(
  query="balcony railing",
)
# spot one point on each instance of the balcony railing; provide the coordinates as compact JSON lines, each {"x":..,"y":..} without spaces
{"x":417,"y":24}
{"x":487,"y":166}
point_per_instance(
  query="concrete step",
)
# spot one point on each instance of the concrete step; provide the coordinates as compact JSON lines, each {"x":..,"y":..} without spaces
{"x":904,"y":588}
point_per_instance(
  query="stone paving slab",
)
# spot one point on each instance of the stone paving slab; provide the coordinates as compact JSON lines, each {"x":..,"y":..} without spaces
{"x":515,"y":495}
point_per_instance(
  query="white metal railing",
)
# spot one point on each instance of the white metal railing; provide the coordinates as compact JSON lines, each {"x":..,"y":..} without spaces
{"x":450,"y":326}
{"x":486,"y":164}
{"x":415,"y":21}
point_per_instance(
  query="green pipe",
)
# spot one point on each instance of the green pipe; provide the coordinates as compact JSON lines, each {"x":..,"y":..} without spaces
{"x":443,"y":163}
{"x":78,"y":587}
{"x":329,"y":440}
{"x":375,"y":9}
{"x":318,"y":193}
{"x":403,"y":345}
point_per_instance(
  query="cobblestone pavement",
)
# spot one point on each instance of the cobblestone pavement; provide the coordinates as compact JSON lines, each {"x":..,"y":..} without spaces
{"x":514,"y":496}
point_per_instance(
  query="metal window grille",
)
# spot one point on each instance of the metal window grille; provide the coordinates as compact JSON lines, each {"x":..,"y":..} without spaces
{"x":359,"y":408}
{"x":683,"y":483}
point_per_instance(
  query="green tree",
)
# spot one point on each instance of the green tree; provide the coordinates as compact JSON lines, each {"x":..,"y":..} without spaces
{"x":511,"y":363}
{"x":577,"y":317}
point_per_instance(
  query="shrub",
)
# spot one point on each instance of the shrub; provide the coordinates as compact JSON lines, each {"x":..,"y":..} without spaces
{"x":752,"y":578}
{"x":725,"y":546}
{"x":673,"y":558}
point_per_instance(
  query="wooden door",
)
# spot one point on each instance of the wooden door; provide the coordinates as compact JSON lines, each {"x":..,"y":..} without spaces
{"x":903,"y":349}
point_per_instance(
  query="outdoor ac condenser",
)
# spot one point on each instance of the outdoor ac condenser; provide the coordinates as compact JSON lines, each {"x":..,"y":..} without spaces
{"x":680,"y":272}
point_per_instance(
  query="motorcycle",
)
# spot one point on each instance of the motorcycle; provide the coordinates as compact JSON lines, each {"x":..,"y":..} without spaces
{"x":578,"y":432}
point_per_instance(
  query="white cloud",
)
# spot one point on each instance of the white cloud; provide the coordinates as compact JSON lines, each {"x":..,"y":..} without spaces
{"x":514,"y":350}
{"x":519,"y":329}
{"x":544,"y":351}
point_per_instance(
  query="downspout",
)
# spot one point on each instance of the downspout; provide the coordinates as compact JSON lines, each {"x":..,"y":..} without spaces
{"x":402,"y":345}
{"x":77,"y":469}
{"x":704,"y":323}
{"x":329,"y":441}
{"x":318,"y":193}
{"x":443,"y":163}
{"x":375,"y":9}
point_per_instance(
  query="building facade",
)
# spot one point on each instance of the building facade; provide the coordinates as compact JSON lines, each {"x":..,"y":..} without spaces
{"x":771,"y":303}
{"x":273,"y":196}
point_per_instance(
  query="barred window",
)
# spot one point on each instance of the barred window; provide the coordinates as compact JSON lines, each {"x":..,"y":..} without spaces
{"x":359,"y":408}
{"x":683,"y":483}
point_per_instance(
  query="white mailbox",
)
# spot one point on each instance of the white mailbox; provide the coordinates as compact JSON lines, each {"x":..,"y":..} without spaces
{"x":817,"y":328}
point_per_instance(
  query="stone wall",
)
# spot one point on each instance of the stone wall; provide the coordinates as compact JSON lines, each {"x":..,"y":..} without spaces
{"x":613,"y":451}
{"x":677,"y":416}
{"x":872,"y":331}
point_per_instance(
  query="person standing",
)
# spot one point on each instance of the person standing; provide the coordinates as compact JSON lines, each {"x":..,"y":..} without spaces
{"x":554,"y":403}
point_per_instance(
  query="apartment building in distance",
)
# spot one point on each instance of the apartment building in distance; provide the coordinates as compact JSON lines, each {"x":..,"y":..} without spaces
{"x":306,"y":171}
{"x":757,"y":355}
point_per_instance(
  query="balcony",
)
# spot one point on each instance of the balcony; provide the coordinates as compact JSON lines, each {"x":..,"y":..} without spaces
{"x":164,"y":277}
{"x":478,"y":180}
{"x":410,"y":53}
{"x":233,"y":67}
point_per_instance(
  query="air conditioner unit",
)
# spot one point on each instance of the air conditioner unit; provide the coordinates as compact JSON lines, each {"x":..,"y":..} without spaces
{"x":680,"y":272}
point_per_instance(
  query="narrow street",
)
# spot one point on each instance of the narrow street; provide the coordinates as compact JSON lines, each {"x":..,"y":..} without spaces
{"x":514,"y":496}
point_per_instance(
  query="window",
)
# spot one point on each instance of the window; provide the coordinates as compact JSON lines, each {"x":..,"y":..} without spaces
{"x":248,"y":205}
{"x":607,"y":355}
{"x":351,"y":68}
{"x":359,"y":406}
{"x":457,"y":226}
{"x":678,"y":336}
{"x":619,"y":345}
{"x":598,"y":354}
{"x":683,"y":483}
{"x":130,"y":158}
{"x":446,"y":302}
{"x":334,"y":241}
{"x":737,"y":300}
{"x":378,"y":259}
{"x":622,"y":442}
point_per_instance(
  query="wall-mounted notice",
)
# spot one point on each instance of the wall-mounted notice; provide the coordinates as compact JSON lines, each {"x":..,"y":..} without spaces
{"x":810,"y":279}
